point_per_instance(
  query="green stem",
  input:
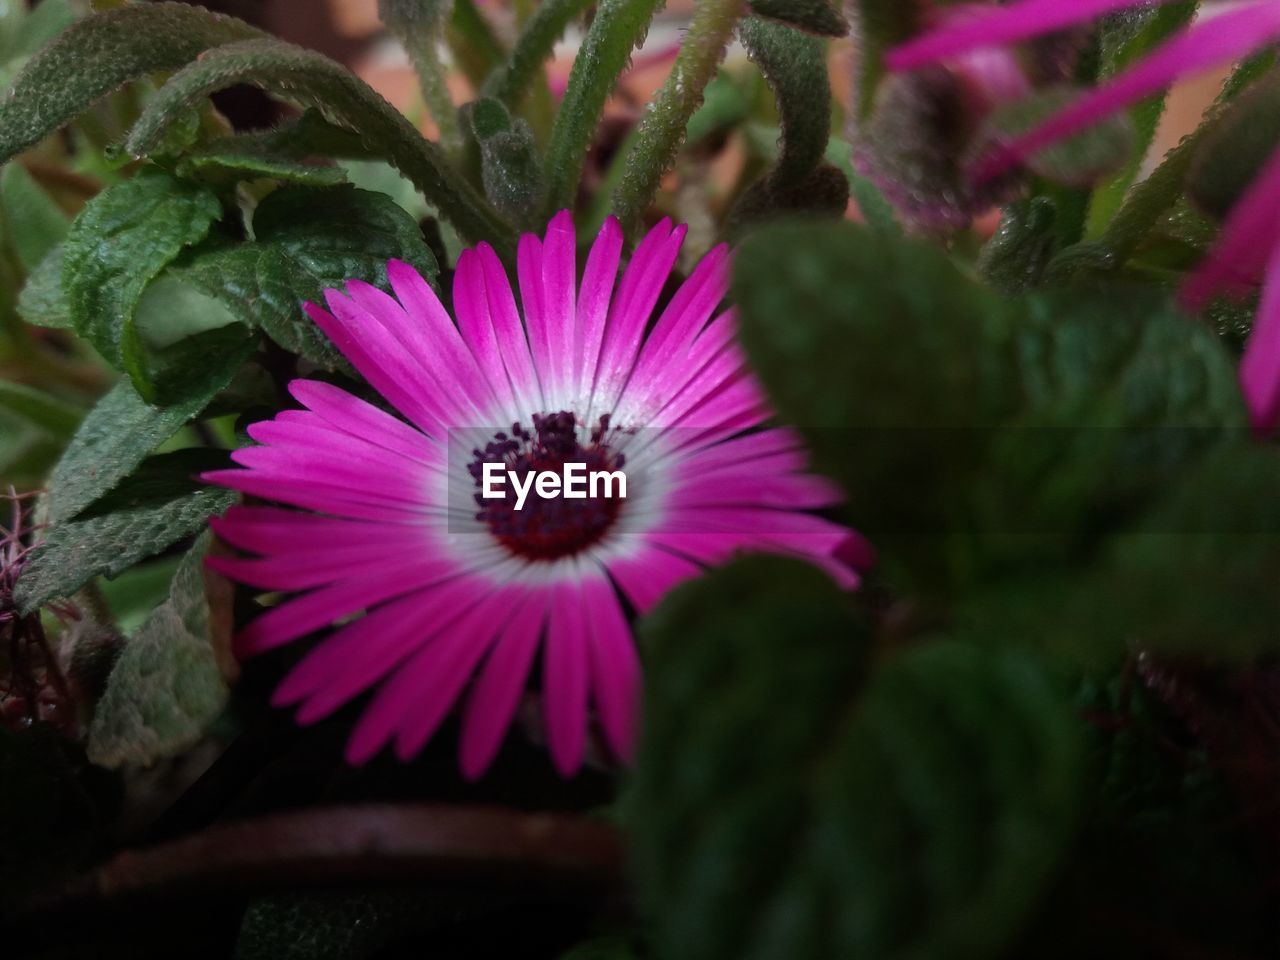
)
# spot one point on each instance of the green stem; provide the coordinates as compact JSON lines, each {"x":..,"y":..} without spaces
{"x":547,"y":25}
{"x":619,"y":26}
{"x":663,"y":128}
{"x":433,"y":82}
{"x":473,"y":42}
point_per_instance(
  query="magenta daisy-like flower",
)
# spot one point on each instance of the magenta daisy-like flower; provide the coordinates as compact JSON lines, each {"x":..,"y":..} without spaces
{"x":456,"y":594}
{"x":1249,"y":247}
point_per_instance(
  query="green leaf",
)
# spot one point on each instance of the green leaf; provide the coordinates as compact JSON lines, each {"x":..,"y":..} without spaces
{"x":39,"y":25}
{"x":786,"y":805}
{"x":122,"y":429}
{"x":309,"y":79}
{"x":96,"y":55}
{"x":618,"y":28}
{"x":509,"y":164}
{"x":899,"y":370}
{"x":419,"y":26}
{"x":121,"y":240}
{"x":1077,"y":161}
{"x":167,"y":685}
{"x":55,"y":417}
{"x":1127,"y":37}
{"x":305,"y":240}
{"x":661,"y":130}
{"x":296,"y":152}
{"x":1237,"y":149}
{"x":159,"y":504}
{"x":37,"y":225}
{"x":537,"y":41}
{"x":1017,"y":255}
{"x":42,"y":301}
{"x":813,"y":16}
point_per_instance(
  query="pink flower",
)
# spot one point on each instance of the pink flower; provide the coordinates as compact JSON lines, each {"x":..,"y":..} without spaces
{"x":453,"y":598}
{"x":1249,"y":247}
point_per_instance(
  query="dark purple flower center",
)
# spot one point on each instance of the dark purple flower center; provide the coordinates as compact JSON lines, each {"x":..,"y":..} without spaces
{"x":550,"y":527}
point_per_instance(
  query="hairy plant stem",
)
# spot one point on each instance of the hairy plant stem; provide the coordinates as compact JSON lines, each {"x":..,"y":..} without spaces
{"x":662,"y":130}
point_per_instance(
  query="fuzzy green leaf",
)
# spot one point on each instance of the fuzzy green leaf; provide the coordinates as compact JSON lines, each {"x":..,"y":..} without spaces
{"x":880,"y":25}
{"x":122,"y":429}
{"x":509,"y":164}
{"x":661,"y":130}
{"x":1017,"y":255}
{"x":100,"y":53}
{"x":812,"y":16}
{"x":36,"y":224}
{"x":167,"y":685}
{"x":122,"y":239}
{"x":1237,"y":149}
{"x":1127,"y":37}
{"x":152,"y":509}
{"x":618,"y":28}
{"x":786,"y":804}
{"x":309,"y":79}
{"x":306,"y":240}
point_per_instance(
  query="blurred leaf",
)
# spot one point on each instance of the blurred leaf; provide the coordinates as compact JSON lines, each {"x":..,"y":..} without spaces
{"x":879,"y":25}
{"x":121,"y":430}
{"x":37,"y":225}
{"x":309,"y":79}
{"x":1235,"y":151}
{"x":152,"y":509}
{"x":605,"y":948}
{"x":1018,"y":253}
{"x":133,"y":594}
{"x":513,"y":81}
{"x":1125,"y":38}
{"x":171,"y":311}
{"x":167,"y":685}
{"x":618,"y":28}
{"x":121,"y":240}
{"x":306,"y":239}
{"x":55,"y":417}
{"x":785,"y":805}
{"x":1197,"y":576}
{"x":1077,"y":161}
{"x":474,"y":44}
{"x":42,"y":301}
{"x":100,"y":53}
{"x":814,"y":16}
{"x":876,"y":211}
{"x":296,"y":152}
{"x":419,"y":26}
{"x":724,"y":106}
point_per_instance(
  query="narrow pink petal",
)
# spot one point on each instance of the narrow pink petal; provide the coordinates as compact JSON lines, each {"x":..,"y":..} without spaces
{"x":442,"y":673}
{"x":529,"y":275}
{"x":1260,"y":368}
{"x":306,"y":570}
{"x":311,"y":611}
{"x":302,"y":430}
{"x":564,"y":678}
{"x":405,"y":694}
{"x":471,"y":304}
{"x":1207,"y":43}
{"x":559,"y":312}
{"x":361,"y":419}
{"x":273,"y":530}
{"x":593,"y":302}
{"x":1236,"y":262}
{"x":358,"y":655}
{"x":427,"y":331}
{"x":324,"y":498}
{"x":615,"y":668}
{"x":502,"y":680}
{"x":649,"y":575}
{"x":510,"y":332}
{"x":631,"y":311}
{"x":754,"y":489}
{"x":1007,"y":24}
{"x":656,"y":378}
{"x":371,"y":366}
